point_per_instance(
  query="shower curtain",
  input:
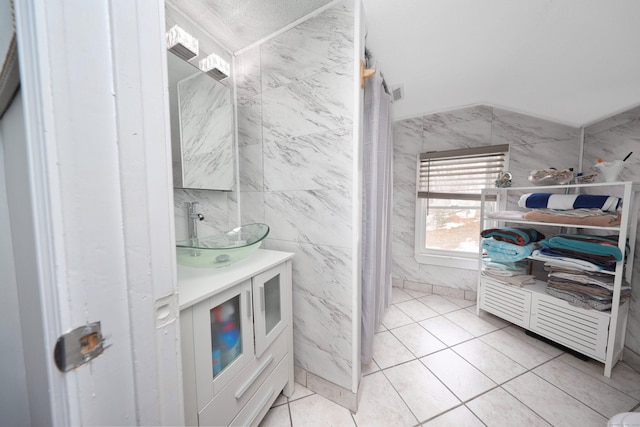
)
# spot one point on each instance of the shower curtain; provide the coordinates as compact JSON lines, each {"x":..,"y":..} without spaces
{"x":376,"y":215}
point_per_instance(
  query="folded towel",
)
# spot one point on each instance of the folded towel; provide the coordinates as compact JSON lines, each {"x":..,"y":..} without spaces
{"x":518,"y":280}
{"x":579,"y":299}
{"x":517,"y":236}
{"x":567,"y":262}
{"x":604,"y":281}
{"x":607,"y":262}
{"x":569,"y":201}
{"x":574,"y":216}
{"x":507,"y":252}
{"x":518,"y":266}
{"x":587,"y":244}
{"x":505,"y":214}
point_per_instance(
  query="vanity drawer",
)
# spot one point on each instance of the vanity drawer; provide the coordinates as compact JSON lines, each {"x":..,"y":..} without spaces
{"x":257,"y":407}
{"x":225,"y":405}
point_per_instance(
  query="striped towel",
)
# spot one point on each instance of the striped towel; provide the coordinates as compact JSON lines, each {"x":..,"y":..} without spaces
{"x":517,"y":236}
{"x":569,"y":201}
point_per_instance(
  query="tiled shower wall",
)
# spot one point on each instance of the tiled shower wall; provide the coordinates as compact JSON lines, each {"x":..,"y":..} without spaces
{"x":295,"y":122}
{"x":613,"y":139}
{"x":534,"y":144}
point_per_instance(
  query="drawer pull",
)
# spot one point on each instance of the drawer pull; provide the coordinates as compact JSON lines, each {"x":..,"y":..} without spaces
{"x":261,"y":406}
{"x":254,"y":377}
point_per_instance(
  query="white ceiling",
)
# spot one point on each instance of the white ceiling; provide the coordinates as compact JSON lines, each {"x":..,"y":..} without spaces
{"x":571,"y":61}
{"x":237,"y":24}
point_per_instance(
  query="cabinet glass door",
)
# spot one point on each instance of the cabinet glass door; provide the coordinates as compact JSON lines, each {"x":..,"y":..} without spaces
{"x":270,"y":312}
{"x":223,"y":339}
{"x":226,"y":339}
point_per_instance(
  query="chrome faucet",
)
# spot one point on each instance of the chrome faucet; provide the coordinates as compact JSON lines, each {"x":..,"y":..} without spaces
{"x":192,"y":220}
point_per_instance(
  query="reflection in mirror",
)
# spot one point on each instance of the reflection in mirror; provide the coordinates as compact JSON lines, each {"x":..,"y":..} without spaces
{"x":201,"y":112}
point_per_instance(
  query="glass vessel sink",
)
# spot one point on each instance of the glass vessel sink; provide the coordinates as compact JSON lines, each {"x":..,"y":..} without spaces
{"x":223,"y":249}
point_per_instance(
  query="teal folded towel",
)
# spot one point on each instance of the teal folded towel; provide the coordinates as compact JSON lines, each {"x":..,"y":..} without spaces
{"x":587,"y":244}
{"x":507,"y":252}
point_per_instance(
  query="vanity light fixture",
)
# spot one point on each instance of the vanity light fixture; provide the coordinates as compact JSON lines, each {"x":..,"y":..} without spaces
{"x":215,"y":66}
{"x":182,"y":43}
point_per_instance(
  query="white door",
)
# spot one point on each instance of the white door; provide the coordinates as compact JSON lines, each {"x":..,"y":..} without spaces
{"x":96,"y":211}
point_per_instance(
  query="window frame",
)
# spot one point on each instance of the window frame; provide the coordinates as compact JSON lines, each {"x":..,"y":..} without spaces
{"x":444,"y":257}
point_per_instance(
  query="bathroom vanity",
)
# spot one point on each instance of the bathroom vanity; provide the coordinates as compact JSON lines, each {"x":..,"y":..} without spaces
{"x":237,"y":339}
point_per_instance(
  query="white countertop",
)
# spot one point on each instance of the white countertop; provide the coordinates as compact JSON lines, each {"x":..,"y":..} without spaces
{"x":198,"y":284}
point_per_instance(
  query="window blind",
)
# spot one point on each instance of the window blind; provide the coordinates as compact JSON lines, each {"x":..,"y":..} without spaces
{"x":460,"y":174}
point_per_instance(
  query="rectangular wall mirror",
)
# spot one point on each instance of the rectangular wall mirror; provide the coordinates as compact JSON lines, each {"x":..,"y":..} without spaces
{"x":202,"y":128}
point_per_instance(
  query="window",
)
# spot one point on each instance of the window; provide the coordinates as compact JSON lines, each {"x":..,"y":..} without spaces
{"x":448,"y":203}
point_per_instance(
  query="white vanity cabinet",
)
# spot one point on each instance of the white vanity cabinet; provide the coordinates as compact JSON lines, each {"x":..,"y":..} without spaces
{"x":237,"y":340}
{"x":597,"y":334}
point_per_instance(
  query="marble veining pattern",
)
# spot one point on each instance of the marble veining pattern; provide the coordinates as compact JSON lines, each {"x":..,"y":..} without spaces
{"x":543,"y":155}
{"x":212,"y":204}
{"x":248,"y":73}
{"x":467,"y":127}
{"x":252,"y":203}
{"x":250,"y":120}
{"x":316,"y":45}
{"x":316,"y":216}
{"x":309,"y":162}
{"x":251,"y":172}
{"x":322,"y":278}
{"x":206,"y":133}
{"x":295,"y":115}
{"x":407,"y":136}
{"x":614,"y":121}
{"x":610,"y":140}
{"x":510,"y":127}
{"x":450,"y":277}
{"x":321,"y":102}
{"x":534,"y":144}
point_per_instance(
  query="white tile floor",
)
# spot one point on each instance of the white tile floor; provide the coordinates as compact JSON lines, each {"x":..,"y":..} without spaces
{"x":438,"y":364}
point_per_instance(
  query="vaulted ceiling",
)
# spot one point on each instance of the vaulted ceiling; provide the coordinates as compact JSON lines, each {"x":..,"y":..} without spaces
{"x":571,"y":61}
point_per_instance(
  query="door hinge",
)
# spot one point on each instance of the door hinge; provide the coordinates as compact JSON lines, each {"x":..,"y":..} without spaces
{"x":79,"y":346}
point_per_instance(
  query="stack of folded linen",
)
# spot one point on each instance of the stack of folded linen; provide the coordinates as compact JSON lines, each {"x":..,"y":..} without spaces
{"x":506,"y":249}
{"x":509,"y":244}
{"x":578,"y":209}
{"x":509,"y":273}
{"x":579,"y":288}
{"x":581,"y":251}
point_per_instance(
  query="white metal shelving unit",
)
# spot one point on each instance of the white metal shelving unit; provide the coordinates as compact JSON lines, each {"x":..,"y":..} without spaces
{"x":599,"y":335}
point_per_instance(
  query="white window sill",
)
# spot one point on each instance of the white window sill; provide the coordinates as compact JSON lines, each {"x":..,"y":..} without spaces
{"x":466,"y":263}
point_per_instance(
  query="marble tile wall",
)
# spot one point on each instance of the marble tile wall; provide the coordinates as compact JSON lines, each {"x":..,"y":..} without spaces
{"x":534,"y":144}
{"x":613,"y":139}
{"x":218,"y":208}
{"x":295,"y":125}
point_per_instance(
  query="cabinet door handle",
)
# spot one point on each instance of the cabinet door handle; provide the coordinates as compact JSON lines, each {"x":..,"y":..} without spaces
{"x":261,"y":406}
{"x":248,"y":295}
{"x":262,"y":299}
{"x":254,"y":377}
